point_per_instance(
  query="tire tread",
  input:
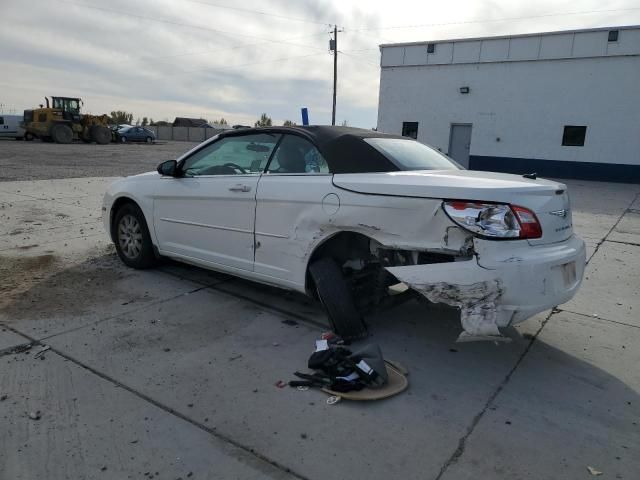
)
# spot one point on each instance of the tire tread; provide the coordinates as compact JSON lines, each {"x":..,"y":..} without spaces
{"x":337,"y":299}
{"x":147,"y":258}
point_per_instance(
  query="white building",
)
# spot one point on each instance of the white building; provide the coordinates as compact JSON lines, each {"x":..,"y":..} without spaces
{"x":563,"y":104}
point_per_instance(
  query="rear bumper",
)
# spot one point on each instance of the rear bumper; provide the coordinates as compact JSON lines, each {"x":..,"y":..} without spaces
{"x":501,"y":286}
{"x":537,"y":278}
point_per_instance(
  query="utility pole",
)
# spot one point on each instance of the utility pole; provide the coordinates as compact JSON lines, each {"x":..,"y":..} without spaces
{"x":333,"y":46}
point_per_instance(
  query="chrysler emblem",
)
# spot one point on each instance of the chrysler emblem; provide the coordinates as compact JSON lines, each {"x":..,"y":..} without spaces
{"x":559,"y":213}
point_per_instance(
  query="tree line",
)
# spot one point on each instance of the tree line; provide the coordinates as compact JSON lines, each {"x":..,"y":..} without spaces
{"x":120,"y":117}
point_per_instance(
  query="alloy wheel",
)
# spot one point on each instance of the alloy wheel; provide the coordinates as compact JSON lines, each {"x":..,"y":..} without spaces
{"x":130,"y":236}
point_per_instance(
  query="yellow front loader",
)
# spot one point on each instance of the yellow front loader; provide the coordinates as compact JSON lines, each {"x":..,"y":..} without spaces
{"x":62,"y":122}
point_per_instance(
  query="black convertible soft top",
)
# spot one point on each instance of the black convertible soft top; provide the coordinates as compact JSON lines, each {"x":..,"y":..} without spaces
{"x":342,"y":147}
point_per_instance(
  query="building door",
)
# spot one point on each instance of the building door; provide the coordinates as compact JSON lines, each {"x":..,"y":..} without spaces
{"x":460,"y":143}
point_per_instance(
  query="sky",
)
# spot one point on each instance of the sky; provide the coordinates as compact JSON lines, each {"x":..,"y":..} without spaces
{"x":222,"y":58}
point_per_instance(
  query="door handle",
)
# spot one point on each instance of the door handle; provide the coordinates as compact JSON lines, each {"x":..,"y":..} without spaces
{"x":240,"y":188}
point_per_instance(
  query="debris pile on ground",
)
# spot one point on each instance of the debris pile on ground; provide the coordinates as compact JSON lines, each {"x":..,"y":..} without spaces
{"x":355,"y":373}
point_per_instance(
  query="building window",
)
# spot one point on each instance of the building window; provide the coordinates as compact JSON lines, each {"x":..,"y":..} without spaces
{"x":410,"y":129}
{"x":573,"y":136}
{"x":613,"y":35}
{"x":431,"y":48}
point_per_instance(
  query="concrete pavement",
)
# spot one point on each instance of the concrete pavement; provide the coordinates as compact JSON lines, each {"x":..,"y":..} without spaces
{"x":173,"y":370}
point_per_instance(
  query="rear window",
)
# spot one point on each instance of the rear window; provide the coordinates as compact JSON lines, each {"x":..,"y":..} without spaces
{"x":409,"y":154}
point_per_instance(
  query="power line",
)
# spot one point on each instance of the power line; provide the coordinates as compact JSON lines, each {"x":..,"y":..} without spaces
{"x":256,"y":12}
{"x":530,"y":17}
{"x":190,"y":25}
{"x":365,"y":50}
{"x":377,"y":38}
{"x":232,"y":67}
{"x":360,"y":59}
{"x":216,"y":50}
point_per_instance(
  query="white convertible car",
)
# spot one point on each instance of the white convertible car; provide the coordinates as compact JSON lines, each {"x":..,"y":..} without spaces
{"x":351,"y":217}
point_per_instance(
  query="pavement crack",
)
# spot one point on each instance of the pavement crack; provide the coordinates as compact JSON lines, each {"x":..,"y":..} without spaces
{"x":220,"y":286}
{"x":128,"y":312}
{"x":273,"y":309}
{"x":624,"y":243}
{"x":598,"y":318}
{"x":462,"y":443}
{"x":459,"y":451}
{"x":604,"y":239}
{"x":246,"y":450}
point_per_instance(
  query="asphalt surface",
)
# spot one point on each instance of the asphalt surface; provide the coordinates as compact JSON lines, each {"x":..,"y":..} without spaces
{"x":36,"y":160}
{"x":112,"y":373}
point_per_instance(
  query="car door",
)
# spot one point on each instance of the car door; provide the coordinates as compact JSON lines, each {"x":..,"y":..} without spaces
{"x":207,"y":215}
{"x":289,"y":204}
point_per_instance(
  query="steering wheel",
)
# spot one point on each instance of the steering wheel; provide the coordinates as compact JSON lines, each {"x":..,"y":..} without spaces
{"x":235,"y":167}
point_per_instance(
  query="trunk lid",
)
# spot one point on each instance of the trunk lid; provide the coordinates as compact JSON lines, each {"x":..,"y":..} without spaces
{"x":548,"y":199}
{"x":554,"y":215}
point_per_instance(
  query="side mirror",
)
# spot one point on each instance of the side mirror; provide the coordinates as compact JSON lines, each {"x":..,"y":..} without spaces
{"x":168,"y":168}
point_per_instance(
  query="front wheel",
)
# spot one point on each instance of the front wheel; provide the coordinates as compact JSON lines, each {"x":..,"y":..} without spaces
{"x":337,"y":299}
{"x":28,"y":136}
{"x":123,"y":139}
{"x":100,"y":134}
{"x":132,"y":239}
{"x":62,"y":133}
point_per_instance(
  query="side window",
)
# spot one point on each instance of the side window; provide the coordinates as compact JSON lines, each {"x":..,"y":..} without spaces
{"x":238,"y":155}
{"x":573,"y":135}
{"x":1,"y":120}
{"x":297,"y":155}
{"x":410,"y":129}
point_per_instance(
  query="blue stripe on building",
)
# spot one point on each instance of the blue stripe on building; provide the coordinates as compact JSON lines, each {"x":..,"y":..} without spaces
{"x":612,"y":172}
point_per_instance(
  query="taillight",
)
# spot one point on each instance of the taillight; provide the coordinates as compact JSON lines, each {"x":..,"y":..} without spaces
{"x":529,"y":224}
{"x":494,"y":220}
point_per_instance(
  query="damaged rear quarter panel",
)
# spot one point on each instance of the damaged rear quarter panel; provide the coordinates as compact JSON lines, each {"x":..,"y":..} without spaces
{"x":290,"y":225}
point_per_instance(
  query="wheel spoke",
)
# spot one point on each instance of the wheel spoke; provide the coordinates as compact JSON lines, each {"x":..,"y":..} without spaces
{"x":130,"y":236}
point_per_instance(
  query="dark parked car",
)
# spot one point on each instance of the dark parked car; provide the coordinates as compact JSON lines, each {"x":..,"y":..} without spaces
{"x":136,"y":134}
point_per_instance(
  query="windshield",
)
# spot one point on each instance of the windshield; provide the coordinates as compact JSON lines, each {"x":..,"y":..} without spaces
{"x":66,"y":104}
{"x":412,"y":155}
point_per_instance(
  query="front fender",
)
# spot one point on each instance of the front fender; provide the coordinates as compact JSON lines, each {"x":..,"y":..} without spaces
{"x":132,"y":189}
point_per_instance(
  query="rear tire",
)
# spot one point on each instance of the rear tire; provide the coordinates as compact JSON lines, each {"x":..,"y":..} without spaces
{"x":149,"y":139}
{"x":62,"y":133}
{"x":28,"y":136}
{"x":132,"y":239}
{"x":101,"y":135}
{"x":337,"y":300}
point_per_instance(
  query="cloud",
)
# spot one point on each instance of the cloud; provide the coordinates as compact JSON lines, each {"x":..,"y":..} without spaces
{"x":166,"y":58}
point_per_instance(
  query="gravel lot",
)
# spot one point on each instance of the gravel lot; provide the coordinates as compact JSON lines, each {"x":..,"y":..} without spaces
{"x":37,"y":160}
{"x":170,"y":373}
